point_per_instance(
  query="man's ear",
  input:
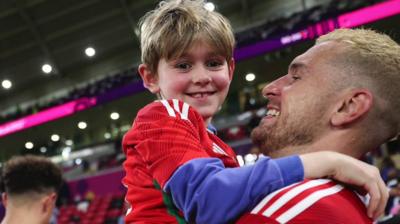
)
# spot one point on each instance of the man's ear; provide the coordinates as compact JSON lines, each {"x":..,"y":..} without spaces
{"x":352,"y":107}
{"x":231,"y":67}
{"x":49,"y":202}
{"x":150,"y":80}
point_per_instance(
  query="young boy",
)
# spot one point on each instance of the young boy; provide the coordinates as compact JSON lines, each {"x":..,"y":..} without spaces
{"x":179,"y":171}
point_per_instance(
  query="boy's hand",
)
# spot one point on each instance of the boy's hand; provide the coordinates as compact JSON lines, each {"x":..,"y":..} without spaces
{"x":351,"y":171}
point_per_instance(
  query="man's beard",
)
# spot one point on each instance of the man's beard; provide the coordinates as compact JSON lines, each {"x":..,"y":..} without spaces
{"x":288,"y":132}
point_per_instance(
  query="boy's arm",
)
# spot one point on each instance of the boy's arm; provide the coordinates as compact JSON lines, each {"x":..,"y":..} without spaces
{"x":207,"y":192}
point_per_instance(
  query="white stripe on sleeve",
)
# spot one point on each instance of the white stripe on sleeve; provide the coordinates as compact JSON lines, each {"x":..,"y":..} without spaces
{"x":293,"y":193}
{"x":307,"y":202}
{"x":176,"y":105}
{"x":168,"y":107}
{"x":267,"y":199}
{"x":185,"y":111}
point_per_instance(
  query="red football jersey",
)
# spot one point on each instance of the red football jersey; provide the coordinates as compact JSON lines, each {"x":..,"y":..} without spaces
{"x":310,"y":201}
{"x":164,"y":135}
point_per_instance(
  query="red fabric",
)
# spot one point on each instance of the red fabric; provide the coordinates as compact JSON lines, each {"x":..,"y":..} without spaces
{"x":256,"y":219}
{"x":342,"y":207}
{"x":156,"y":146}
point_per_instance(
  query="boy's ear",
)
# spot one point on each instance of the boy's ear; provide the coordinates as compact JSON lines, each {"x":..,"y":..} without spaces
{"x":352,"y":107}
{"x":150,"y":80}
{"x":231,"y":66}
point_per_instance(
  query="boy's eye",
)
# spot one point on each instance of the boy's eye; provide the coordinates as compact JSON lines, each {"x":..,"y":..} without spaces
{"x":214,"y":63}
{"x":183,"y":66}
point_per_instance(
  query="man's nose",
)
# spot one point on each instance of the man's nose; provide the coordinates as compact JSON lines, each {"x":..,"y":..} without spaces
{"x":275,"y":87}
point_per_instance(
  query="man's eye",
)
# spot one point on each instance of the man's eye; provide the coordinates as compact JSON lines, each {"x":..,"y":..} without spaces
{"x":295,"y":77}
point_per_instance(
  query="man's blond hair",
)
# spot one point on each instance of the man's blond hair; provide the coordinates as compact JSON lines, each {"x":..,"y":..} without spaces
{"x":171,"y":29}
{"x":373,"y":60}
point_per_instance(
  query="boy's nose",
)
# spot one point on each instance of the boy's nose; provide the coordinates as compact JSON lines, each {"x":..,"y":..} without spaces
{"x":201,"y":77}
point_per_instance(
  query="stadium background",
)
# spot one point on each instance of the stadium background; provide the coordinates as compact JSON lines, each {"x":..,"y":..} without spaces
{"x":45,"y":108}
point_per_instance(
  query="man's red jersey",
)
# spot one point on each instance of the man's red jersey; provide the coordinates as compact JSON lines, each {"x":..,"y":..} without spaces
{"x":309,"y":201}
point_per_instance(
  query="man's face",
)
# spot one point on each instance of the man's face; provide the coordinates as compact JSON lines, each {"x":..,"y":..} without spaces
{"x":299,"y":102}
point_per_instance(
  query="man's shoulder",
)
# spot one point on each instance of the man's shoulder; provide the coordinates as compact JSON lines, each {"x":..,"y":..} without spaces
{"x":310,"y":200}
{"x":301,"y":195}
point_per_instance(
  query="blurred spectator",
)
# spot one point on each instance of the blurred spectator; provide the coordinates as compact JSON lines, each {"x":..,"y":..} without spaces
{"x":89,"y":196}
{"x":29,"y":185}
{"x":64,"y":195}
{"x":388,"y":170}
{"x":390,"y":174}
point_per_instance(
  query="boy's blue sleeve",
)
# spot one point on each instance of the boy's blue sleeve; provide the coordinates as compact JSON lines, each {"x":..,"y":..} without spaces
{"x":207,"y":192}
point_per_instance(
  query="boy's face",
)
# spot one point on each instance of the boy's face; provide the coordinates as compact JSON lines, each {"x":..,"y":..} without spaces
{"x":199,"y":77}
